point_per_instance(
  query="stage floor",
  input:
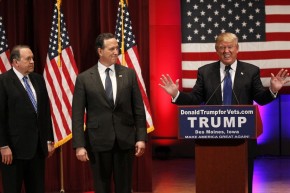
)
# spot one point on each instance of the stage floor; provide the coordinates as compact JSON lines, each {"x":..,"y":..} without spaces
{"x":271,"y":175}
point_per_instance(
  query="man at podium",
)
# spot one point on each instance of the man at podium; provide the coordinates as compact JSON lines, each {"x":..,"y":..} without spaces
{"x":228,"y":82}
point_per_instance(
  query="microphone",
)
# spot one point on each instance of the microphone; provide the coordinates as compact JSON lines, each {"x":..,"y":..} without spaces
{"x":235,"y":96}
{"x":216,"y":89}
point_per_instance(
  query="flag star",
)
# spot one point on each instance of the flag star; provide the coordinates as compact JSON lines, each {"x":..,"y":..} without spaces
{"x":209,"y":31}
{"x":244,"y":11}
{"x":209,"y":19}
{"x":202,"y":25}
{"x":216,"y":12}
{"x":195,"y":6}
{"x":209,"y":6}
{"x":258,"y":23}
{"x":244,"y":24}
{"x":195,"y":31}
{"x":237,"y":31}
{"x":230,"y":11}
{"x":230,"y":24}
{"x":189,"y":13}
{"x":237,"y":17}
{"x":258,"y":36}
{"x":244,"y":37}
{"x":202,"y":37}
{"x":202,"y":13}
{"x":251,"y":17}
{"x":250,"y":4}
{"x":251,"y":30}
{"x":189,"y":25}
{"x":216,"y":24}
{"x":223,"y":6}
{"x":223,"y":30}
{"x":189,"y":38}
{"x":257,"y":10}
{"x":223,"y":18}
{"x":196,"y":19}
{"x":236,"y":5}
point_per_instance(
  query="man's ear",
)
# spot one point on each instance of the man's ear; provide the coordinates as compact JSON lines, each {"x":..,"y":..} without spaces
{"x":99,"y":50}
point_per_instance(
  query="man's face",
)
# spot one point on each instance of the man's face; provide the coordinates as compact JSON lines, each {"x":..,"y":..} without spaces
{"x":25,"y":64}
{"x":109,"y":53}
{"x":227,"y":52}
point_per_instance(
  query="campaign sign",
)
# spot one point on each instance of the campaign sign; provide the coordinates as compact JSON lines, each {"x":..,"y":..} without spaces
{"x":217,"y":122}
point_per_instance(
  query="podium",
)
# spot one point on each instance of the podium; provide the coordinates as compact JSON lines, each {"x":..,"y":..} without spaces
{"x":221,"y":136}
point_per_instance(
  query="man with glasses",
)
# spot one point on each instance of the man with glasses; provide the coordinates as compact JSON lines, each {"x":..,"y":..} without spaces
{"x":228,"y":82}
{"x":25,"y":125}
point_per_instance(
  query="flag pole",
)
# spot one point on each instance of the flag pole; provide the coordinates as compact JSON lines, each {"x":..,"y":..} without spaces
{"x":122,"y":35}
{"x":58,"y":34}
{"x":61,"y":171}
{"x":59,"y":64}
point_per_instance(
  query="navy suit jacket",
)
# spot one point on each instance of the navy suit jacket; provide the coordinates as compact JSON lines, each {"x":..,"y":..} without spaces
{"x":21,"y":128}
{"x":124,"y":123}
{"x":247,"y":87}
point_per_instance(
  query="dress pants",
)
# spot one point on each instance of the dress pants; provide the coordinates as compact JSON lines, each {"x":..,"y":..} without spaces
{"x":29,"y":171}
{"x":116,"y":163}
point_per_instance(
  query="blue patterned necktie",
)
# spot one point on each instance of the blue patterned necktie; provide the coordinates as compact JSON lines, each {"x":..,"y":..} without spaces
{"x":227,"y":93}
{"x":30,"y":93}
{"x":108,"y":86}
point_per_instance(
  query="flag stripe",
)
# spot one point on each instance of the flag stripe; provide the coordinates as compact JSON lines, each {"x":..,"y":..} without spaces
{"x":266,"y":64}
{"x":278,"y":18}
{"x":242,"y":55}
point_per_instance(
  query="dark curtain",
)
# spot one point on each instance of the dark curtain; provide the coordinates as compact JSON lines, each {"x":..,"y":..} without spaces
{"x":29,"y":22}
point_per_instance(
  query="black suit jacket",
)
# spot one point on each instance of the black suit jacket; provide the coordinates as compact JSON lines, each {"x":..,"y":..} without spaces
{"x":247,"y":86}
{"x":125,"y":122}
{"x":21,"y":128}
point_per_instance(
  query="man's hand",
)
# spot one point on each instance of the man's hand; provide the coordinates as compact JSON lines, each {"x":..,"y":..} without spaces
{"x":277,"y":82}
{"x":169,"y":86}
{"x":6,"y":154}
{"x":50,"y":147}
{"x":139,"y":148}
{"x":82,"y":154}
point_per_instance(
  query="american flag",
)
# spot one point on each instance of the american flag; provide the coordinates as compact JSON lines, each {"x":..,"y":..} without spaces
{"x":60,"y":74}
{"x":4,"y":51}
{"x":263,"y":29}
{"x":129,"y":54}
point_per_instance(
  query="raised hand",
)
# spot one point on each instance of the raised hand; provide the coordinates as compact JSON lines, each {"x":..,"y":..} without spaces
{"x":277,"y":82}
{"x":169,"y":86}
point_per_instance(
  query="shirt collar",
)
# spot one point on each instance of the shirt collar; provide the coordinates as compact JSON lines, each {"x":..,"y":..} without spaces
{"x":18,"y":74}
{"x":102,"y":68}
{"x":233,"y":66}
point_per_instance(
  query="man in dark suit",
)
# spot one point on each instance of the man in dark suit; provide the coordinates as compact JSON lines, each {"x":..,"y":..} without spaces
{"x":245,"y":79}
{"x":115,"y":126}
{"x":25,"y":126}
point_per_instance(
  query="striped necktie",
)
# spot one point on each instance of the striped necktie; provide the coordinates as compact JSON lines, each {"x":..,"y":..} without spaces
{"x":30,"y":93}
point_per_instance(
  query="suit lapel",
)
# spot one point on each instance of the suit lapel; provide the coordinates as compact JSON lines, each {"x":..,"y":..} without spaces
{"x":19,"y":86}
{"x":36,"y":88}
{"x":239,"y":79}
{"x":119,"y":80}
{"x":216,"y":79}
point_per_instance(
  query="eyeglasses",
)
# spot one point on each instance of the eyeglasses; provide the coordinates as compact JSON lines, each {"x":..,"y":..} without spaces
{"x":223,"y":48}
